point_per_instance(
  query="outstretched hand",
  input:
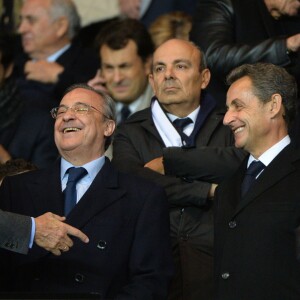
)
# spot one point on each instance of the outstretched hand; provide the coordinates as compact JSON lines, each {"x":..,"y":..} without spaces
{"x":52,"y":233}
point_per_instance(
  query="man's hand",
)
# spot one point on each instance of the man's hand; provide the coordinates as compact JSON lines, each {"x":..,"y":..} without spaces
{"x":293,"y":43}
{"x":43,"y":71}
{"x":156,"y":165}
{"x":4,"y":155}
{"x":98,"y":82}
{"x":52,"y":234}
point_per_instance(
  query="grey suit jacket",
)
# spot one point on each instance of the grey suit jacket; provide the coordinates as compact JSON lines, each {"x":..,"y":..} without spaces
{"x":15,"y":232}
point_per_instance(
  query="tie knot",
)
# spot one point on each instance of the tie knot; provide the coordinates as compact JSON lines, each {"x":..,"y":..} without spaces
{"x":255,"y":168}
{"x":182,"y":123}
{"x":76,"y":174}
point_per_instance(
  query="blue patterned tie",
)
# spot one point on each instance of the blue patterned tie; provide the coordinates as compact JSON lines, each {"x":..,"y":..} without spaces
{"x":253,"y":170}
{"x":75,"y":174}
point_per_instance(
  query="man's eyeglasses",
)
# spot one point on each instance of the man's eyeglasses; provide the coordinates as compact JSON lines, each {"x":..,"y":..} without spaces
{"x":78,"y":109}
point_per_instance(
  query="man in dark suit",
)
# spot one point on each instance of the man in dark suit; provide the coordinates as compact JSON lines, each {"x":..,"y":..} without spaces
{"x":236,"y":32}
{"x":178,"y":76}
{"x":53,"y":58}
{"x":126,"y":219}
{"x":255,"y":223}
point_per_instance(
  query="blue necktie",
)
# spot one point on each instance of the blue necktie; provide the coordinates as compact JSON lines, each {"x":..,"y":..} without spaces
{"x":253,"y":170}
{"x":75,"y":174}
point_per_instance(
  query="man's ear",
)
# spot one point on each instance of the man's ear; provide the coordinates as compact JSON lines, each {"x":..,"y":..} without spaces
{"x":205,"y":74}
{"x":110,"y":128}
{"x":276,"y":106}
{"x":62,"y":26}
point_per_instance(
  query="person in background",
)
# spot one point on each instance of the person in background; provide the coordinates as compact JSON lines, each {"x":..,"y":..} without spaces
{"x":125,"y":51}
{"x":182,"y":116}
{"x":176,"y":24}
{"x":25,"y":132}
{"x":235,"y":32}
{"x":258,"y":208}
{"x":53,"y":58}
{"x":126,"y":218}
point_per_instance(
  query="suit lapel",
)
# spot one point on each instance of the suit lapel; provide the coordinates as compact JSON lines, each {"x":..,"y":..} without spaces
{"x":102,"y":193}
{"x":279,"y":168}
{"x":46,"y":191}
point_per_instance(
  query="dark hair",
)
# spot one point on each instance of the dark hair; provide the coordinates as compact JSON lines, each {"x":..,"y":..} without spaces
{"x":108,"y":107}
{"x":268,"y":79}
{"x":116,"y":35}
{"x":7,"y":42}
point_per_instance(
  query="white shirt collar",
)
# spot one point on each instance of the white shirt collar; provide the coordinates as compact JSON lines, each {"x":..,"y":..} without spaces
{"x":53,"y":57}
{"x":272,"y":152}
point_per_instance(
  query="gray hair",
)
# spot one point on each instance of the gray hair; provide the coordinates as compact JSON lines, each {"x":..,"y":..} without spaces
{"x":109,"y":110}
{"x":268,"y":79}
{"x":66,"y":8}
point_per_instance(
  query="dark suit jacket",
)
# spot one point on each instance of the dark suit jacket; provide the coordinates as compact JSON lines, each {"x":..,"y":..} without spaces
{"x":235,"y":32}
{"x":255,"y":244}
{"x":80,"y":65}
{"x":15,"y":232}
{"x":137,"y":142}
{"x":126,"y":219}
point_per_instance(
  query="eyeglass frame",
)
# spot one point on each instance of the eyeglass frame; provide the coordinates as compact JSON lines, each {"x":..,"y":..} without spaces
{"x":54,"y":110}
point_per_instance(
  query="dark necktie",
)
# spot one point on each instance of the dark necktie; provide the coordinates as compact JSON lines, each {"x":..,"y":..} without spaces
{"x":75,"y":174}
{"x":180,"y":124}
{"x":253,"y":170}
{"x":125,"y":112}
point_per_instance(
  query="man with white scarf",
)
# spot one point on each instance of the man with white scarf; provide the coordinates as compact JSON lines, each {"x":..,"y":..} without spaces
{"x":152,"y":145}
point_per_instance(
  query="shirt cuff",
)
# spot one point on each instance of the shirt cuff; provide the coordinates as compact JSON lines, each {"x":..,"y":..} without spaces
{"x":32,"y":232}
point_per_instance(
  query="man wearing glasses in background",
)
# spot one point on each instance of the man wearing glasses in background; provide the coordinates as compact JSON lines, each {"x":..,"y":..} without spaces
{"x":125,"y":218}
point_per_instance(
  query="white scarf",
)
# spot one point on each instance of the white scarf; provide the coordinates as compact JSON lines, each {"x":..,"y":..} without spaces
{"x":165,"y":128}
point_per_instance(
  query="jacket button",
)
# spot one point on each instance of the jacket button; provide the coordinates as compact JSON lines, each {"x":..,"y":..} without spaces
{"x":232,"y":224}
{"x":79,"y":278}
{"x":101,"y":245}
{"x":225,"y":275}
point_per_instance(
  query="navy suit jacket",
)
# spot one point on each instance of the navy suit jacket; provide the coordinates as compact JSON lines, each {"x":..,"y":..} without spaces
{"x":126,"y":220}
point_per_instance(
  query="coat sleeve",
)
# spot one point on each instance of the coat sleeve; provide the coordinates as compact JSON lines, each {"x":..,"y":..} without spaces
{"x":15,"y":229}
{"x":127,"y":158}
{"x":214,"y":32}
{"x":196,"y":163}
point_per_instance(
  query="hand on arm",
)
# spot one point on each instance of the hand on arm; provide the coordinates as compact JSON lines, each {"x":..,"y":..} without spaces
{"x":156,"y":165}
{"x":43,"y":71}
{"x":53,"y":235}
{"x":293,"y":43}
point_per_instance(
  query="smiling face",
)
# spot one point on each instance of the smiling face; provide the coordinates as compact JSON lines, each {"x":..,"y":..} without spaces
{"x":80,"y":138}
{"x":252,"y":122}
{"x":125,"y":72}
{"x":176,"y":77}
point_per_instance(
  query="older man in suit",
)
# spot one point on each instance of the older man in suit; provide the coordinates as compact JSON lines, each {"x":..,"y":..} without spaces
{"x":258,"y":209}
{"x":178,"y":77}
{"x":126,"y":218}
